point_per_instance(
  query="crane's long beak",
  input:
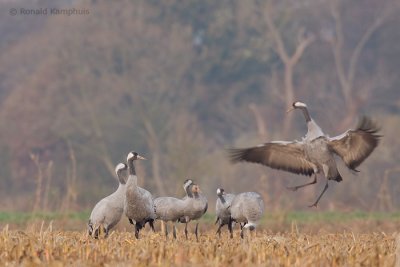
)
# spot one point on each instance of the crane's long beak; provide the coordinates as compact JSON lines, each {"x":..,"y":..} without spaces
{"x":140,"y":157}
{"x":290,"y":109}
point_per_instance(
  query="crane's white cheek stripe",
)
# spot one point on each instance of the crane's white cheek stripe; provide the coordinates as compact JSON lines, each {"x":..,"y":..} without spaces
{"x":300,"y":104}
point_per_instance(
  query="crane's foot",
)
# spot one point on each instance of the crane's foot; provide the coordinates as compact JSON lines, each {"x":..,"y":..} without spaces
{"x":319,"y":197}
{"x":294,"y":188}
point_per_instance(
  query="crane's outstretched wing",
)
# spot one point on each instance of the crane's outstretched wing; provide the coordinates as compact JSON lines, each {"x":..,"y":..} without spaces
{"x":288,"y":156}
{"x":354,"y":146}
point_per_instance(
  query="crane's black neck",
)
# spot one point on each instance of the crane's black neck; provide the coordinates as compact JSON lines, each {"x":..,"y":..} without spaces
{"x":222,"y":199}
{"x":188,"y":191}
{"x":306,"y":114}
{"x":131,"y":167}
{"x":196,"y":194}
{"x":120,"y":177}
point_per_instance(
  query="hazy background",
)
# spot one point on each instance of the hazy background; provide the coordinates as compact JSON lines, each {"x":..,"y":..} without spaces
{"x":181,"y":81}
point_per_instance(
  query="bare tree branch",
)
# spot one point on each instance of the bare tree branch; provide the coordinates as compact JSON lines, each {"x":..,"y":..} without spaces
{"x":262,"y":129}
{"x":280,"y":46}
{"x":346,"y":79}
{"x":304,"y":43}
{"x":289,"y":61}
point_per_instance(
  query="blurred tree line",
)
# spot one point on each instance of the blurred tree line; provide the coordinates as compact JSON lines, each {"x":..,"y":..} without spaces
{"x":180,"y":81}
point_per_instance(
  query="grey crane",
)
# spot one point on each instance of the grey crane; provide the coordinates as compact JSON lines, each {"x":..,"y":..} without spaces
{"x":172,"y":209}
{"x":222,"y":209}
{"x":139,"y":205}
{"x":194,"y":209}
{"x":169,"y":209}
{"x":247,"y":208}
{"x":315,"y":153}
{"x":108,"y":211}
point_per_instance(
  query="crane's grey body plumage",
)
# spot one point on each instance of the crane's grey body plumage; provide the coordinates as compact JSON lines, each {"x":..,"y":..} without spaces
{"x":169,"y":209}
{"x":139,"y":205}
{"x":315,"y":153}
{"x":247,"y":208}
{"x":195,"y":207}
{"x":222,"y":210}
{"x":108,"y":211}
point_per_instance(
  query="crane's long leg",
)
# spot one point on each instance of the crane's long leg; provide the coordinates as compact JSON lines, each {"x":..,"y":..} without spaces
{"x":138,"y":226}
{"x":174,"y":230}
{"x":106,"y":232}
{"x":219,"y":230}
{"x":230,"y":228}
{"x":186,"y":231}
{"x":165,"y":229}
{"x":90,"y":228}
{"x":195,"y":231}
{"x":96,"y":233}
{"x":151,"y":222}
{"x":294,"y":188}
{"x":323,"y":191}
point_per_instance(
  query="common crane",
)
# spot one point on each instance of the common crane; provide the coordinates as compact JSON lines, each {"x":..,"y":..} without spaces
{"x":222,"y":210}
{"x":247,"y":208}
{"x":194,"y":209}
{"x":315,"y":153}
{"x":139,"y":205}
{"x":108,"y":211}
{"x":171,"y":208}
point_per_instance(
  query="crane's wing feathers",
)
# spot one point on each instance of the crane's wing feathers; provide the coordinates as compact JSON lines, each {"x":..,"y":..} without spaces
{"x":288,"y":156}
{"x":354,"y":146}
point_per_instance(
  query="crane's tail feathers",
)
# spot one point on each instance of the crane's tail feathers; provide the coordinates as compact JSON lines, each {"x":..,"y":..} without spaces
{"x":338,"y":178}
{"x":90,"y":227}
{"x":251,"y":226}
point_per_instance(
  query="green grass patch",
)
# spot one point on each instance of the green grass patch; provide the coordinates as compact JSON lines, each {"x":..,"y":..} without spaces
{"x":288,"y":217}
{"x":23,"y":217}
{"x":331,"y":216}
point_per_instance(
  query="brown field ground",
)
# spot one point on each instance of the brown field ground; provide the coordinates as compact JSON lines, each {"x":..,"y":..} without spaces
{"x":356,"y":243}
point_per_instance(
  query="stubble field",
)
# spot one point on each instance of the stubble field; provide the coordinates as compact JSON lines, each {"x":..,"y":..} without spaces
{"x":350,"y":244}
